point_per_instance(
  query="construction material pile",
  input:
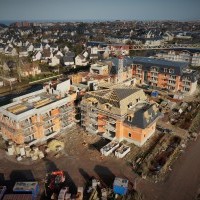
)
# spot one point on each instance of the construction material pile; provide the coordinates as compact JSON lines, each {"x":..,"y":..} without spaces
{"x":55,"y":146}
{"x":24,"y":151}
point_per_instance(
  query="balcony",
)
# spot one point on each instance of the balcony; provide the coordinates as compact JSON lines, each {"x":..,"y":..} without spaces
{"x":155,"y":70}
{"x":26,"y":124}
{"x":153,"y":80}
{"x":172,"y":78}
{"x":93,"y":115}
{"x":48,"y":132}
{"x":29,"y":132}
{"x":110,"y":127}
{"x":112,"y":121}
{"x":171,"y":83}
{"x":48,"y":124}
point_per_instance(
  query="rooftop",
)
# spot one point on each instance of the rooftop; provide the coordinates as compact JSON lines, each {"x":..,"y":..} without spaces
{"x":35,"y":101}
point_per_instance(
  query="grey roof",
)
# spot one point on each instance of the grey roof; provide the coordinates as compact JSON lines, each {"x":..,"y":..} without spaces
{"x":147,"y":63}
{"x":70,"y":54}
{"x":192,"y":75}
{"x":139,"y":120}
{"x":68,"y":59}
{"x":122,"y":93}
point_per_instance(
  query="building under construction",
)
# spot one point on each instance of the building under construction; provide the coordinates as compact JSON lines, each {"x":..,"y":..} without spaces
{"x":121,"y":113}
{"x":40,"y":115}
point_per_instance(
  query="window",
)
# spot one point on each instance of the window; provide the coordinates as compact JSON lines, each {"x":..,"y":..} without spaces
{"x":137,"y":100}
{"x":129,"y":118}
{"x":129,"y":135}
{"x":165,"y":69}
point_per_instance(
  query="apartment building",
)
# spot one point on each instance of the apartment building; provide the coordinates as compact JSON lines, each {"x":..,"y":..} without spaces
{"x":40,"y":115}
{"x":174,"y":76}
{"x":121,"y":113}
{"x":193,"y":58}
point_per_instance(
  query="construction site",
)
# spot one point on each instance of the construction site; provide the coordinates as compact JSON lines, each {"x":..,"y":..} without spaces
{"x":123,"y":133}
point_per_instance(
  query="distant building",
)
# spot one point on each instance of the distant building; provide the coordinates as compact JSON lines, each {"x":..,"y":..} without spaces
{"x":181,"y":56}
{"x":121,"y":113}
{"x":174,"y":76}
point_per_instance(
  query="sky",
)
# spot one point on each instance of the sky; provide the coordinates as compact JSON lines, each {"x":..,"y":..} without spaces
{"x":99,"y":10}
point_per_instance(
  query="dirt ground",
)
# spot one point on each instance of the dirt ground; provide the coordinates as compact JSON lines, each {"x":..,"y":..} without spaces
{"x":82,"y":159}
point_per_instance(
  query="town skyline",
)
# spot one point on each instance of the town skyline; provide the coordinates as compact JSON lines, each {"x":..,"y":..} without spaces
{"x":99,"y":10}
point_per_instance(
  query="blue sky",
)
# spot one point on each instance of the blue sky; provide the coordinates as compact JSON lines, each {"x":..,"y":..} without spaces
{"x":99,"y":9}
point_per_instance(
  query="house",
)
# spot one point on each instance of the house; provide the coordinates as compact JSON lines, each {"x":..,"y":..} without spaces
{"x":55,"y":60}
{"x":30,"y":47}
{"x":68,"y":58}
{"x":23,"y":52}
{"x":46,"y":55}
{"x":29,"y":69}
{"x":81,"y":59}
{"x":53,"y":47}
{"x":38,"y":47}
{"x":10,"y":51}
{"x":152,"y":42}
{"x":65,"y":49}
{"x":168,"y":36}
{"x":121,"y":113}
{"x":37,"y":56}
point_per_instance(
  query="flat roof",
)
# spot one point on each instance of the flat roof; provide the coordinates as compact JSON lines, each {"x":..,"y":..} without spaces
{"x":31,"y":102}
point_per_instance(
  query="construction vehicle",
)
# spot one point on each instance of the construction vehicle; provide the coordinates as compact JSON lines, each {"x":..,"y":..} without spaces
{"x":55,"y":180}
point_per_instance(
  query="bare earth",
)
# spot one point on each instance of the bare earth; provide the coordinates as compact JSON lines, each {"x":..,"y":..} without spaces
{"x":82,"y":160}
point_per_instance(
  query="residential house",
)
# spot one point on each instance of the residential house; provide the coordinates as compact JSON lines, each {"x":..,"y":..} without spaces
{"x":68,"y":59}
{"x":38,"y":47}
{"x":23,"y":52}
{"x":29,"y":69}
{"x":10,"y":51}
{"x":37,"y":56}
{"x":81,"y":59}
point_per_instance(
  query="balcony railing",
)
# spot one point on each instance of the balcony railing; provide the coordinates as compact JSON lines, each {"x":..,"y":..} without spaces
{"x":91,"y":130}
{"x":171,"y":83}
{"x":91,"y":114}
{"x":110,"y":127}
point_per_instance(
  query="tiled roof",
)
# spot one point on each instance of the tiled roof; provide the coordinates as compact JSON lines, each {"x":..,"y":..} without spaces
{"x":144,"y":116}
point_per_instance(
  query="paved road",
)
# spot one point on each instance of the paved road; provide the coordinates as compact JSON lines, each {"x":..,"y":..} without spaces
{"x":184,"y":180}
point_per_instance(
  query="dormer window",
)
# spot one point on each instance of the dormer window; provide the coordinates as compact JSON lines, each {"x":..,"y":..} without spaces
{"x":130,"y":105}
{"x":165,"y":69}
{"x":108,"y":106}
{"x":171,"y":71}
{"x":130,"y":118}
